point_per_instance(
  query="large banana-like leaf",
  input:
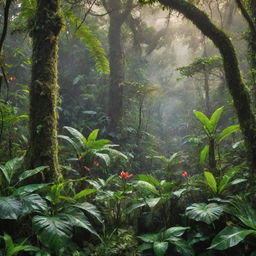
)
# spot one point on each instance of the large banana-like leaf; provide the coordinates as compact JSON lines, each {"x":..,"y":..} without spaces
{"x":229,"y":237}
{"x":207,"y":213}
{"x":53,"y":232}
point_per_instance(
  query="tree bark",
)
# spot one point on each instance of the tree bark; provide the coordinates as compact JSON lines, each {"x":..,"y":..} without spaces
{"x":235,"y":84}
{"x":43,"y":145}
{"x":118,"y":13}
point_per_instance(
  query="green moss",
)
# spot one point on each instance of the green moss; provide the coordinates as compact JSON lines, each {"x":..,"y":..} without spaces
{"x":43,"y":146}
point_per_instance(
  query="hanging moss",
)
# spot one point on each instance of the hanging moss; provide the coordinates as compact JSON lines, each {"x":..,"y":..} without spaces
{"x":43,"y":146}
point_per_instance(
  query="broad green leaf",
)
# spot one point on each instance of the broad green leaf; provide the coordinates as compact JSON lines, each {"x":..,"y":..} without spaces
{"x":32,"y":203}
{"x":75,"y":145}
{"x":207,"y":213}
{"x":147,"y":186}
{"x":210,"y":181}
{"x":145,"y":246}
{"x":204,"y":154}
{"x":174,"y":231}
{"x":215,"y":118}
{"x":10,"y":208}
{"x":91,"y":209}
{"x":19,"y":248}
{"x":77,"y":135}
{"x":204,"y":120}
{"x":5,"y":173}
{"x":152,"y":202}
{"x":238,"y":181}
{"x":78,"y":219}
{"x":179,"y":192}
{"x":53,"y":232}
{"x":30,"y":173}
{"x":104,"y":157}
{"x":148,"y":178}
{"x":160,"y":248}
{"x":84,"y":193}
{"x":227,"y":132}
{"x":149,"y":238}
{"x":29,"y":188}
{"x":98,"y":144}
{"x":224,"y":182}
{"x":92,"y":138}
{"x":134,"y":206}
{"x":229,"y":237}
{"x":184,"y":248}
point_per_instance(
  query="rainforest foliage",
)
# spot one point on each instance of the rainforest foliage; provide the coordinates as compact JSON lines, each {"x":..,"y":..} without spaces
{"x":127,"y":127}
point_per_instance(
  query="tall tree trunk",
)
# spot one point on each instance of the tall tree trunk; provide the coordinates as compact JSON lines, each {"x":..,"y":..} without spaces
{"x":118,"y":12}
{"x":252,"y":47}
{"x":116,"y":61}
{"x":235,"y":84}
{"x":43,"y":145}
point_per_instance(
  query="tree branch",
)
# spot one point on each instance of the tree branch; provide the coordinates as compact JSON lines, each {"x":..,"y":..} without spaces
{"x":247,"y":17}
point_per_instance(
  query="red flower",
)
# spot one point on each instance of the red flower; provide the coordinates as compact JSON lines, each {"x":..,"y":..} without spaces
{"x":87,"y":168}
{"x":96,"y":163}
{"x":125,"y":175}
{"x":185,"y":174}
{"x":12,"y":78}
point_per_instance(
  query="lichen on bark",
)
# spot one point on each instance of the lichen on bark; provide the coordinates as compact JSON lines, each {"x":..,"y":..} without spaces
{"x":43,"y":146}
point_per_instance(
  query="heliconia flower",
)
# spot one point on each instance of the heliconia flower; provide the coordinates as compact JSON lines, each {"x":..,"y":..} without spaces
{"x":185,"y":174}
{"x":87,"y":168}
{"x":79,"y":158}
{"x":96,"y":163}
{"x":12,"y":78}
{"x":125,"y":175}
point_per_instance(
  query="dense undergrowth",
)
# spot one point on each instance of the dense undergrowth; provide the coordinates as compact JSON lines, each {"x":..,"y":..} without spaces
{"x":101,"y":207}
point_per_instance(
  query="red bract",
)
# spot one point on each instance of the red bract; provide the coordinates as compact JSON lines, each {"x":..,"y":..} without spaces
{"x":185,"y":174}
{"x":125,"y":175}
{"x":12,"y":78}
{"x":87,"y":168}
{"x":96,"y":163}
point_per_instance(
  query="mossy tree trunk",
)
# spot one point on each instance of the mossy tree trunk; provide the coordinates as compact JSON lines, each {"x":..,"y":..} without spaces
{"x":249,"y":13}
{"x":235,"y":84}
{"x":43,"y":146}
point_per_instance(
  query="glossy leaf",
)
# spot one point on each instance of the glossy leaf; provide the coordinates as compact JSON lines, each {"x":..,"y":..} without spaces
{"x":204,"y":154}
{"x":211,"y":181}
{"x":215,"y":118}
{"x":54,"y":232}
{"x":227,"y":132}
{"x":84,"y":193}
{"x":30,"y":173}
{"x":10,"y":208}
{"x":207,"y":213}
{"x":229,"y":237}
{"x":160,"y":248}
